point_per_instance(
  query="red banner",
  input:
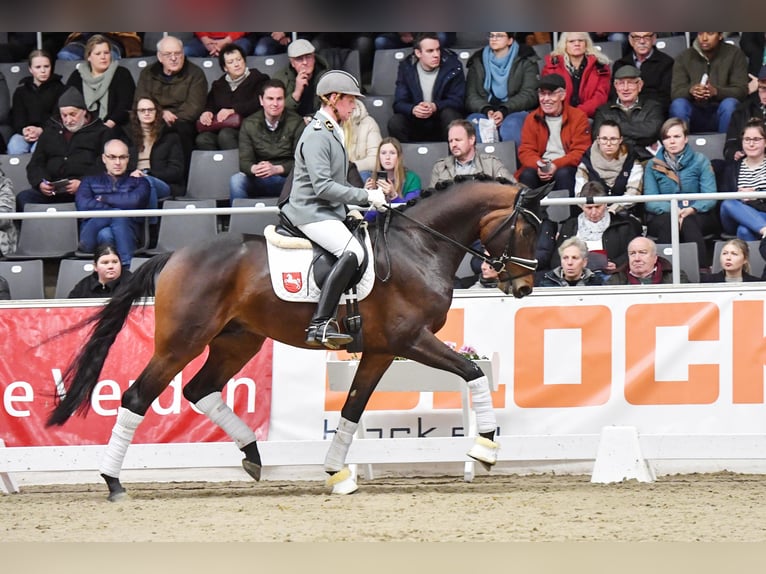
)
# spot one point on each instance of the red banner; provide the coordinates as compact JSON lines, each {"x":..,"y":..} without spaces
{"x":31,"y":367}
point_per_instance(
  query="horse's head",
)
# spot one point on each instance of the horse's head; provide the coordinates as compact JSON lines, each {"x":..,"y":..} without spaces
{"x":511,"y":239}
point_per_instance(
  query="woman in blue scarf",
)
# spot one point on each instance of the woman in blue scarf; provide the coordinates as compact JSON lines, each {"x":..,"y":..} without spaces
{"x":502,"y":85}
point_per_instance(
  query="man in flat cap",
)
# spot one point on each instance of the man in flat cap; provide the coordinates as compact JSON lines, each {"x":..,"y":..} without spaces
{"x":300,"y":77}
{"x":68,"y":149}
{"x":639,"y":119}
{"x":553,"y":138}
{"x":655,"y":65}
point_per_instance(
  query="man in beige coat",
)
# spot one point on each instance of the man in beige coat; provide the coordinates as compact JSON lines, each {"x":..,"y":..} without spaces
{"x":464,"y":159}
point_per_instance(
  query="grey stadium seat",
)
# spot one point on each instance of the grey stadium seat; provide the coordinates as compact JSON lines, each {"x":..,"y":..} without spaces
{"x":504,"y":151}
{"x":25,"y":278}
{"x":420,"y":157}
{"x":177,"y":231}
{"x":210,"y":172}
{"x":268,"y":64}
{"x":47,"y":238}
{"x":687,"y":257}
{"x":137,"y":65}
{"x":15,"y":167}
{"x":709,"y":144}
{"x":672,"y":45}
{"x":70,"y":273}
{"x":381,"y":109}
{"x":253,"y":223}
{"x":385,"y":67}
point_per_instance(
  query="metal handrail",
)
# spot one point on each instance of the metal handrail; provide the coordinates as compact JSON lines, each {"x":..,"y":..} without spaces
{"x":673,"y":199}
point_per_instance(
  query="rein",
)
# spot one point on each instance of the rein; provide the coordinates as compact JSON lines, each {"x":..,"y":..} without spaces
{"x":497,"y":263}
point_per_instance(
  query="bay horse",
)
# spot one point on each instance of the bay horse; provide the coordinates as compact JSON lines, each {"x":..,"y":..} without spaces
{"x":219,"y":294}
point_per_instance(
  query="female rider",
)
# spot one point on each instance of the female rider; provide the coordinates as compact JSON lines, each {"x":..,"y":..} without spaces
{"x":320,"y":192}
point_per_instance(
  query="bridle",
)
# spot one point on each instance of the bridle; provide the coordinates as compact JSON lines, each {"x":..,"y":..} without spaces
{"x":497,"y":263}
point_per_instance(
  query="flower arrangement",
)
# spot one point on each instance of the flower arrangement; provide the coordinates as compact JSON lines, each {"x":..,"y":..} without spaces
{"x":466,"y":350}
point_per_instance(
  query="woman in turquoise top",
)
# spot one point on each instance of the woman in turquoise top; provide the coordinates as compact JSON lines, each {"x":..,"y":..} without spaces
{"x":398,"y":183}
{"x":678,"y":169}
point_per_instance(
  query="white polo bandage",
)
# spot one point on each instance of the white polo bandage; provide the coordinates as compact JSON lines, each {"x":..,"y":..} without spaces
{"x":482,"y":405}
{"x":341,"y":442}
{"x":219,"y":412}
{"x":122,"y":435}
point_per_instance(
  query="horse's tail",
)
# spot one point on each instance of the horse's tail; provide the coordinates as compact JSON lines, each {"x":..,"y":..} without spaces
{"x":81,"y":376}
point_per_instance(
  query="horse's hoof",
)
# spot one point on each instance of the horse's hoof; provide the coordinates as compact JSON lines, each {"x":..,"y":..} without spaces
{"x":342,"y":482}
{"x":117,"y":496}
{"x":252,"y":468}
{"x":485,"y":452}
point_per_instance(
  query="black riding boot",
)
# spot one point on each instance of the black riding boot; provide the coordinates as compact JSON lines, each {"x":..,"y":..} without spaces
{"x":323,"y":329}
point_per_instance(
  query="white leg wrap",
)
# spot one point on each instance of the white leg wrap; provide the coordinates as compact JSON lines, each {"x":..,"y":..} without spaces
{"x":219,"y":412}
{"x":341,"y":442}
{"x":122,"y":434}
{"x":482,"y":404}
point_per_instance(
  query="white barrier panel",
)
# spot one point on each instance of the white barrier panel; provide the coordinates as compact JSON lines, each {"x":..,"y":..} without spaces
{"x":683,"y":366}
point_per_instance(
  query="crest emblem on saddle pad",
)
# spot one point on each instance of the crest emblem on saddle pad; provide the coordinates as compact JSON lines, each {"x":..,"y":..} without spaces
{"x":292,"y":281}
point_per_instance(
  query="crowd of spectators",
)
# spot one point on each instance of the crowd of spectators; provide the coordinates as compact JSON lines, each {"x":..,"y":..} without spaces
{"x":576,"y":118}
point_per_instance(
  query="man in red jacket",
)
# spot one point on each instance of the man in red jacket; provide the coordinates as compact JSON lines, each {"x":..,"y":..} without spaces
{"x":553,"y":138}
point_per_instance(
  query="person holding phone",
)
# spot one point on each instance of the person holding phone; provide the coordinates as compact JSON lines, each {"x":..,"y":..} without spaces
{"x":398,"y":183}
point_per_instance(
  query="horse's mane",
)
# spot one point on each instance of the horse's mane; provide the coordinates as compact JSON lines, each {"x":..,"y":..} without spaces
{"x":443,"y":186}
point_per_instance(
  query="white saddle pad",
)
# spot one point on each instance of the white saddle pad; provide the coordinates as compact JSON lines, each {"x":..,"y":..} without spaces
{"x":291,"y":276}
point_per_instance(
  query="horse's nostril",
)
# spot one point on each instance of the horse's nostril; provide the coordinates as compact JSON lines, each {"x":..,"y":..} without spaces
{"x":523,"y":291}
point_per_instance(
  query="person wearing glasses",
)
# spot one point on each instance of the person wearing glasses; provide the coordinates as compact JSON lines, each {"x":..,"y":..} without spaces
{"x":179,"y":86}
{"x":639,"y":118}
{"x":709,"y":80}
{"x":585,"y":70}
{"x":753,"y":107}
{"x":69,"y":148}
{"x":613,"y":164}
{"x":746,"y":218}
{"x":656,"y":69}
{"x":115,"y":189}
{"x":155,"y":151}
{"x":501,"y":85}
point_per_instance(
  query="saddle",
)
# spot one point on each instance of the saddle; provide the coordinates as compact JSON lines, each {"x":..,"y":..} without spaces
{"x":299,"y":267}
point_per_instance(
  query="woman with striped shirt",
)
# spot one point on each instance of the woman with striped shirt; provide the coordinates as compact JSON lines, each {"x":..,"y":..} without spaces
{"x":747,"y":217}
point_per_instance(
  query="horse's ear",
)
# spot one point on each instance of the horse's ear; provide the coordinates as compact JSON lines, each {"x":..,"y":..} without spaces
{"x":530,"y":198}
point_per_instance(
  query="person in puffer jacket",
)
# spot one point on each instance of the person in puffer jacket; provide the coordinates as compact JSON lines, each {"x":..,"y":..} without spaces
{"x":113,"y":190}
